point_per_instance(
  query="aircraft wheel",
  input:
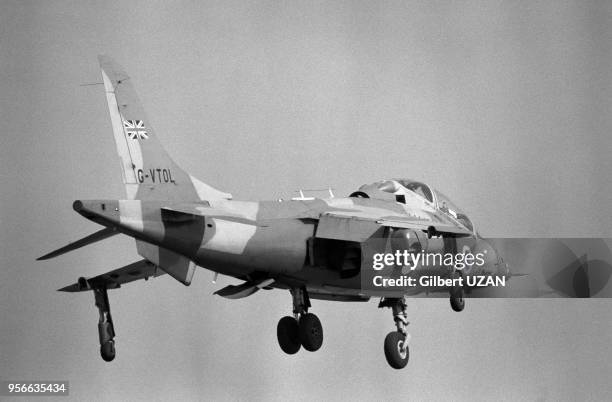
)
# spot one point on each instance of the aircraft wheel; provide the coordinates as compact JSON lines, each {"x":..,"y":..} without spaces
{"x":287,"y":332}
{"x":396,"y":356}
{"x":107,"y":351}
{"x":457,"y":303}
{"x":311,"y":332}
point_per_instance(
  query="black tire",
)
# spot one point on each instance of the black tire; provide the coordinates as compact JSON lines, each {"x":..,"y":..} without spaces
{"x":311,"y":332}
{"x":457,"y":303}
{"x":393,"y":344}
{"x":287,"y":332}
{"x":107,"y":351}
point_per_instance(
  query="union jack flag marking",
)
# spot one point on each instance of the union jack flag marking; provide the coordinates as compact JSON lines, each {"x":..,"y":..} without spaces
{"x":135,"y":129}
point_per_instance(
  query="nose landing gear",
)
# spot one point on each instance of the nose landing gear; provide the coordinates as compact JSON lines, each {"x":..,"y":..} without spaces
{"x":396,"y":342}
{"x":303,"y":329}
{"x":457,"y":301}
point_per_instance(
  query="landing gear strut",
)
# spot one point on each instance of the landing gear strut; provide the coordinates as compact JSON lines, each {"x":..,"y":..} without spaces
{"x":396,"y":342}
{"x":106,"y":330}
{"x":303,"y":329}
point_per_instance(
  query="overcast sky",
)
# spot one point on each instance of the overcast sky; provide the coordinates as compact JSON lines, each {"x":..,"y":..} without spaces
{"x":503,"y":106}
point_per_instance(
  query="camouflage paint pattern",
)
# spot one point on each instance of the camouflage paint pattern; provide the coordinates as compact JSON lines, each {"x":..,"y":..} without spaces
{"x":179,"y":221}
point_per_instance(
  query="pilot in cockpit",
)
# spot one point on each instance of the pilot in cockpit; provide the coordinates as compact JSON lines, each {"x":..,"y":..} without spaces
{"x":443,"y":207}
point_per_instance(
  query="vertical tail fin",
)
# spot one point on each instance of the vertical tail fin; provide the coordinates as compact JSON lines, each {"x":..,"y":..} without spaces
{"x":148,"y":171}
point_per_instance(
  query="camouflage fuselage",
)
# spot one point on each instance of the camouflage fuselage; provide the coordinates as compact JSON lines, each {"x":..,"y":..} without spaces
{"x":259,"y":239}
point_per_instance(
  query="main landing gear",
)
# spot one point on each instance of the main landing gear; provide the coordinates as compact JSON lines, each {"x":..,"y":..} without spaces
{"x":303,"y":329}
{"x":106,"y":330}
{"x":396,"y":342}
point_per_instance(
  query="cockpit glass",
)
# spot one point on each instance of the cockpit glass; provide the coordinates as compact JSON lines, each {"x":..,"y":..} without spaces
{"x":419,"y":188}
{"x":447,"y":206}
{"x":438,"y":199}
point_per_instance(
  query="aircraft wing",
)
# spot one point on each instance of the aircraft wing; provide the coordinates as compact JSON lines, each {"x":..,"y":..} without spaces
{"x":443,"y":228}
{"x":359,"y":227}
{"x":138,"y":270}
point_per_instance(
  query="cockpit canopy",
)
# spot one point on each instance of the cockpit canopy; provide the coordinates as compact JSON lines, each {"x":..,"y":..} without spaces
{"x":399,"y":189}
{"x":419,"y":188}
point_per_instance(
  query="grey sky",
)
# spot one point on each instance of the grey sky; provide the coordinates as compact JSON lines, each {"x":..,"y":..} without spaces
{"x":504,"y":106}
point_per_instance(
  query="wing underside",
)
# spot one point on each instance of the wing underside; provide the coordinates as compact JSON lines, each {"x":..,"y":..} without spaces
{"x":113,"y":279}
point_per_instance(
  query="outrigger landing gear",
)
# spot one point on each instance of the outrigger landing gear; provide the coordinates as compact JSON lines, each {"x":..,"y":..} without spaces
{"x":396,"y":342}
{"x":303,"y":329}
{"x":106,"y":330}
{"x":457,"y":301}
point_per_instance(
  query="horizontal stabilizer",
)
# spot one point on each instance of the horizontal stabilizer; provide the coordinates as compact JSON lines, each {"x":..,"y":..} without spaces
{"x":138,"y":270}
{"x":92,"y":238}
{"x":244,"y":290}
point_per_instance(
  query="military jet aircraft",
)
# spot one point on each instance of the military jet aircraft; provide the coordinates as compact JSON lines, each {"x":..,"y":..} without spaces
{"x":317,"y":248}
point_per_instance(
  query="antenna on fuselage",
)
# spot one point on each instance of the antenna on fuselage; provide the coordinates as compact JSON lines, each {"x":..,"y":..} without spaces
{"x":302,"y":197}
